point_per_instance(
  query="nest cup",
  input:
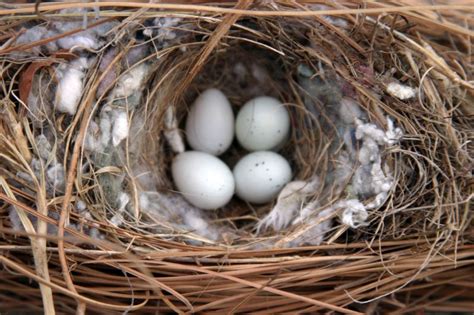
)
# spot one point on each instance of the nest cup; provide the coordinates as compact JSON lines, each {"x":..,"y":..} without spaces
{"x":256,"y":60}
{"x":242,"y":71}
{"x":115,"y":234}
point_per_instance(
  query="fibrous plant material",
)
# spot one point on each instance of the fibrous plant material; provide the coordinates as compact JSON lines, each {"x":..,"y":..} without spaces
{"x":70,"y":85}
{"x":377,"y":216}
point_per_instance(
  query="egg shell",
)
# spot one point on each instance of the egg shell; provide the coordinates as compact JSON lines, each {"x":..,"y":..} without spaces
{"x":210,"y":123}
{"x":260,"y":176}
{"x":203,"y":179}
{"x":263,"y":123}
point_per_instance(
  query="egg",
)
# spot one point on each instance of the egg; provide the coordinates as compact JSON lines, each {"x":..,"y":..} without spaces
{"x":263,"y":123}
{"x":210,"y":123}
{"x":203,"y":179}
{"x":260,"y":176}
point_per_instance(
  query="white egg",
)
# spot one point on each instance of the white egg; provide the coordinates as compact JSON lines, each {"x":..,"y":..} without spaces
{"x":203,"y":179}
{"x":210,"y":123}
{"x":263,"y":123}
{"x":259,"y":176}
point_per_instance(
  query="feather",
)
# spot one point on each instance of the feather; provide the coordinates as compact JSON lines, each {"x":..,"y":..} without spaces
{"x":120,"y":127}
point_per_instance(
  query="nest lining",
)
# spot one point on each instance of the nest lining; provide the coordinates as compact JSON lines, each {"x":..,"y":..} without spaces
{"x":243,"y":71}
{"x":316,"y":102}
{"x":368,"y":89}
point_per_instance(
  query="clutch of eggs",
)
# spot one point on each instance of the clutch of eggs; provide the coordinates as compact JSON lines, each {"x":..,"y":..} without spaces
{"x":262,"y":124}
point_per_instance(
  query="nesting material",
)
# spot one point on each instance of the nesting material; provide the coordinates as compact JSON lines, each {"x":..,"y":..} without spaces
{"x":120,"y":127}
{"x":87,"y":38}
{"x":70,"y":85}
{"x":130,"y":82}
{"x":173,"y":207}
{"x":172,"y":133}
{"x":163,"y":30}
{"x":400,"y":91}
{"x":359,"y":164}
{"x":378,"y":193}
{"x":122,"y":201}
{"x":290,"y":201}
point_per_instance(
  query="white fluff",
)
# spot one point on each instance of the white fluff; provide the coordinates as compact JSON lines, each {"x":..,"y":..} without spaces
{"x":56,"y":177}
{"x":15,"y":219}
{"x":393,"y":134}
{"x":306,"y":212}
{"x":120,"y":127}
{"x":378,"y":200}
{"x":289,"y":201}
{"x":92,"y":138}
{"x":369,"y":179}
{"x":195,"y":223}
{"x":130,"y":82}
{"x":316,"y":229}
{"x":371,"y":131}
{"x":122,"y":200}
{"x":349,"y":110}
{"x":343,"y":170}
{"x":354,"y":214}
{"x":113,"y":125}
{"x":336,"y":21}
{"x":172,"y":132}
{"x":81,"y":206}
{"x":89,"y":39}
{"x":35,"y":34}
{"x":171,"y":207}
{"x":82,"y":41}
{"x":70,"y":86}
{"x":380,"y":181}
{"x":143,"y":175}
{"x":156,"y":204}
{"x":368,"y":152}
{"x":400,"y":91}
{"x":44,"y":147}
{"x":373,"y":137}
{"x":162,"y":29}
{"x":105,"y":124}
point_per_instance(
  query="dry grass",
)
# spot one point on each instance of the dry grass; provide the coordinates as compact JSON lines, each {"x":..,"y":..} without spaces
{"x":418,"y":251}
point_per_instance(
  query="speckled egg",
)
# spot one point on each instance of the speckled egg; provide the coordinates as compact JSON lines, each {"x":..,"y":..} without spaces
{"x":263,"y":123}
{"x":260,"y":176}
{"x":203,"y":179}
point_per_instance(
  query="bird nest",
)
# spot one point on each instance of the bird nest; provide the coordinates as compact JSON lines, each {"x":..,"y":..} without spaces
{"x":376,"y":217}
